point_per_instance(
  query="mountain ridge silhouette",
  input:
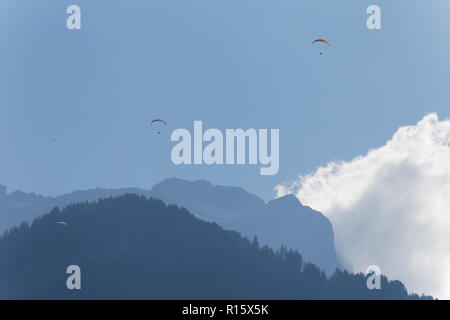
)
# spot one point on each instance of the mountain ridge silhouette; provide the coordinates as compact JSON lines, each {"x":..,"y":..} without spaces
{"x":134,"y":247}
{"x":277,"y":223}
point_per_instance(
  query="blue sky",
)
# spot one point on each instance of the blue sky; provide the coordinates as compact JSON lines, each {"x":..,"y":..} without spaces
{"x":231,"y":64}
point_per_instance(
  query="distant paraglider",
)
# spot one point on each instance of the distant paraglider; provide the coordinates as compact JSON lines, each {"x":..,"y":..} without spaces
{"x":321,"y":41}
{"x":160,"y":121}
{"x":62,"y":223}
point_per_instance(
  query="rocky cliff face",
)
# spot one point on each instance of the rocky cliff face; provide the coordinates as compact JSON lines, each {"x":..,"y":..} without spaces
{"x":281,"y":222}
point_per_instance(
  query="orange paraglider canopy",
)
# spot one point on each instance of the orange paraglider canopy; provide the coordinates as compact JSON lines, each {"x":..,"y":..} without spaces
{"x":323,"y":41}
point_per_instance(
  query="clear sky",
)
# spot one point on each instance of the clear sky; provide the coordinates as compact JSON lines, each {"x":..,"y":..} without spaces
{"x":76,"y":106}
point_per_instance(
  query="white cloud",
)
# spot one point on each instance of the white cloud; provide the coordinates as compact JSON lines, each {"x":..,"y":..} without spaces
{"x":391,"y":207}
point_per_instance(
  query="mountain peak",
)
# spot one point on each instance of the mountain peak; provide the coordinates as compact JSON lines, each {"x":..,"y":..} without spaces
{"x":288,"y":199}
{"x":290,"y":202}
{"x":285,"y":204}
{"x":207,"y":201}
{"x":177,"y":182}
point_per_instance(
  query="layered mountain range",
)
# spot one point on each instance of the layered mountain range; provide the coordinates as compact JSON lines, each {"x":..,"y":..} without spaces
{"x":282,"y":222}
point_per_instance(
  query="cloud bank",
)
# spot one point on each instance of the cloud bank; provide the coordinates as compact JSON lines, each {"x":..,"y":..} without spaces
{"x":391,"y":207}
